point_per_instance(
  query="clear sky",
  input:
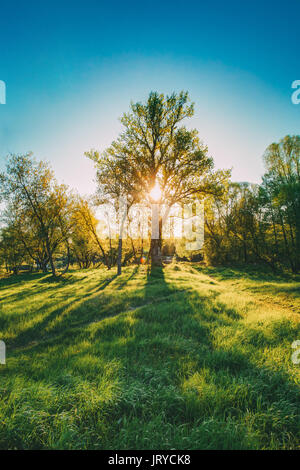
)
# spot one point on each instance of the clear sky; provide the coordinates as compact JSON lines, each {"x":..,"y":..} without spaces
{"x":71,"y":69}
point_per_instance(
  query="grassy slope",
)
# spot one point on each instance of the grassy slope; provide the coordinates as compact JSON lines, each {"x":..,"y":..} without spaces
{"x":185,"y":359}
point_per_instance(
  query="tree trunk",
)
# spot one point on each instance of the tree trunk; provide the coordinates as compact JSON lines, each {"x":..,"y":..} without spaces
{"x":286,"y":242}
{"x":43,"y":266}
{"x":120,"y":244}
{"x":156,"y":241}
{"x":68,"y":261}
{"x":245,"y":251}
{"x":119,"y":259}
{"x":50,"y":258}
{"x":156,"y":259}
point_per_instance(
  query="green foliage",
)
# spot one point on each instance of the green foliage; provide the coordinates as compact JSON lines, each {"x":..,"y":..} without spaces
{"x":260,"y":224}
{"x":37,"y":208}
{"x":280,"y":195}
{"x":155,"y":148}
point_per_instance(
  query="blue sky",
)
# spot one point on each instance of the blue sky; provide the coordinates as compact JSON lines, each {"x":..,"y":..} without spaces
{"x":71,"y":69}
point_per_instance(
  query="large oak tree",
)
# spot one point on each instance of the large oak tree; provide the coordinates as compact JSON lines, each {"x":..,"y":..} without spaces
{"x":155,"y":149}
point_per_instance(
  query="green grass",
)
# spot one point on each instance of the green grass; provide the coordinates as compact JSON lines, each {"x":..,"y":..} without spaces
{"x":187,"y":358}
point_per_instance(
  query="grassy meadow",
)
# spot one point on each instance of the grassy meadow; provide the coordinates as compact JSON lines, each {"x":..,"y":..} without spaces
{"x":185,"y":358}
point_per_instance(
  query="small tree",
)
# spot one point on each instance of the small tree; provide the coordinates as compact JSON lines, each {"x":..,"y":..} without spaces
{"x":12,"y":252}
{"x":117,"y":183}
{"x":30,"y":186}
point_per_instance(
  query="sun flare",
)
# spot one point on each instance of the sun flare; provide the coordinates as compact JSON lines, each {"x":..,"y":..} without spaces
{"x":155,"y":192}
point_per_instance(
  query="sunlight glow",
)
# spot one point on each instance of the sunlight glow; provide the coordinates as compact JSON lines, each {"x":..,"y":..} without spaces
{"x":155,"y":192}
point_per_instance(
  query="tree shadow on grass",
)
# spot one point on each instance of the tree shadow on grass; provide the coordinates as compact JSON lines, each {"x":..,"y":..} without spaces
{"x":105,"y":283}
{"x":129,"y":278}
{"x":19,"y":278}
{"x":256,"y":273}
{"x":156,"y":277}
{"x":38,"y":330}
{"x":177,"y":387}
{"x":292,"y":291}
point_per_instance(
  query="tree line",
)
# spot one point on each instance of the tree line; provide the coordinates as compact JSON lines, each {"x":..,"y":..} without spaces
{"x":260,"y":223}
{"x":46,"y":226}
